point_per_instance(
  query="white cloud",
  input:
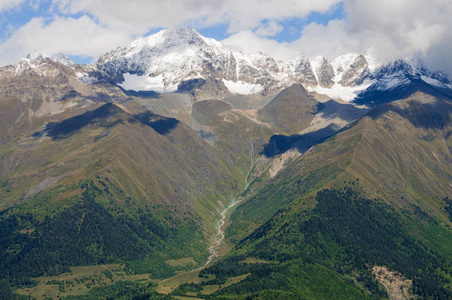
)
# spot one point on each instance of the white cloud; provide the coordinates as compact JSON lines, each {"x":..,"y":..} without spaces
{"x":9,"y":4}
{"x":249,"y":42}
{"x":107,"y":24}
{"x":34,"y":4}
{"x":402,"y":27}
{"x":393,"y":29}
{"x":270,"y":29}
{"x":246,"y":15}
{"x":330,"y":41}
{"x":238,"y":14}
{"x":71,"y":36}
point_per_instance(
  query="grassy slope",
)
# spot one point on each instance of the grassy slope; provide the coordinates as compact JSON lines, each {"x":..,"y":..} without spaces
{"x":132,"y":168}
{"x":347,"y":235}
{"x":399,"y":153}
{"x":149,"y":167}
{"x":404,"y":164}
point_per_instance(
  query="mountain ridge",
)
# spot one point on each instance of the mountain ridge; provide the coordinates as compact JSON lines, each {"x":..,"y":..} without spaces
{"x":166,"y":61}
{"x":344,"y":77}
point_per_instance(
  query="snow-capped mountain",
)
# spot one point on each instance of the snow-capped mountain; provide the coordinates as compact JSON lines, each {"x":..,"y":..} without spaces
{"x":40,"y":64}
{"x":344,"y":77}
{"x":62,"y":59}
{"x":399,"y":79}
{"x":52,"y":66}
{"x":163,"y":61}
{"x":182,"y":60}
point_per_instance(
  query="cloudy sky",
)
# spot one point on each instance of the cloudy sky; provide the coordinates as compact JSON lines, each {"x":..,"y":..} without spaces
{"x":86,"y":29}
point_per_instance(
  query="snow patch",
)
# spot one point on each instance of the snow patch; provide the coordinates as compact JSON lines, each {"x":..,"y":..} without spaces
{"x":315,"y":65}
{"x":146,"y":83}
{"x":392,"y":83}
{"x":85,"y":78}
{"x":243,"y":88}
{"x":345,"y":93}
{"x":434,"y":82}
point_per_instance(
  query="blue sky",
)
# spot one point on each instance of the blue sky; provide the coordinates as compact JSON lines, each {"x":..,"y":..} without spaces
{"x":86,"y":29}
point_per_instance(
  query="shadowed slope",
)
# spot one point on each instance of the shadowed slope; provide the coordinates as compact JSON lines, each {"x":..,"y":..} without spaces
{"x":291,"y":110}
{"x":152,"y":158}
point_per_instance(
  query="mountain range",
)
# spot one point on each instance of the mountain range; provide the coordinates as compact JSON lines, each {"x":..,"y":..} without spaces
{"x":163,"y":61}
{"x":224,"y":175}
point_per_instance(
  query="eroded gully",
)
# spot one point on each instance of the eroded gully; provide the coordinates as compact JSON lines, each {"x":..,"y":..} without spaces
{"x":219,"y":235}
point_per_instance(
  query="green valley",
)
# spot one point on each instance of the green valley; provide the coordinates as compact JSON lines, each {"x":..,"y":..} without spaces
{"x":204,"y":193}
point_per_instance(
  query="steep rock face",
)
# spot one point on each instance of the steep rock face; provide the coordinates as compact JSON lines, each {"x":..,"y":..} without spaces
{"x":403,"y":70}
{"x":50,"y":67}
{"x":263,"y":61}
{"x":182,"y":53}
{"x":325,"y":72}
{"x":300,"y":70}
{"x":355,"y":73}
{"x":63,"y":59}
{"x":36,"y":63}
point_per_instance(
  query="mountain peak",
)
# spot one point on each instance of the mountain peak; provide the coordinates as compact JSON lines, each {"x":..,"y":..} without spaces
{"x":62,"y":59}
{"x":161,"y":62}
{"x":182,"y":33}
{"x":35,"y":56}
{"x":169,"y":38}
{"x":39,"y":63}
